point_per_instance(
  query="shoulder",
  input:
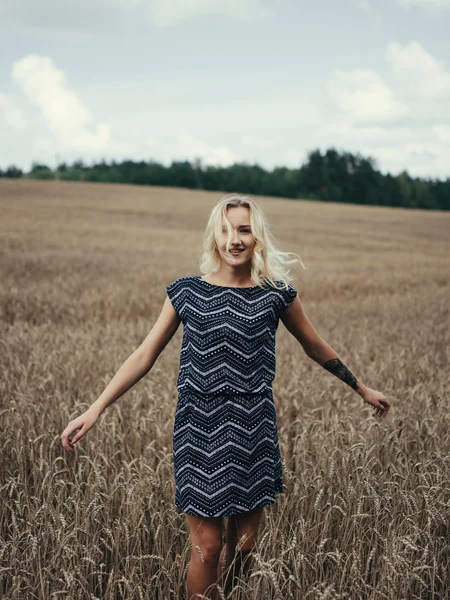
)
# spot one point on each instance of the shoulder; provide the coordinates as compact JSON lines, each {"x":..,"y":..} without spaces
{"x":181,"y":282}
{"x":285,"y":293}
{"x":283,"y":287}
{"x":180,"y":285}
{"x":177,"y":292}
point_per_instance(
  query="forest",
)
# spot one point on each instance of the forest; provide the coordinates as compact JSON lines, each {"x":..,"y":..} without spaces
{"x":331,"y":176}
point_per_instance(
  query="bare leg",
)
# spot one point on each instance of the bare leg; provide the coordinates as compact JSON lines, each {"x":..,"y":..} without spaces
{"x":206,"y":539}
{"x":247,"y":524}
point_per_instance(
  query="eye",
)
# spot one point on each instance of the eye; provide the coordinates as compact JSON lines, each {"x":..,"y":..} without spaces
{"x":242,"y":230}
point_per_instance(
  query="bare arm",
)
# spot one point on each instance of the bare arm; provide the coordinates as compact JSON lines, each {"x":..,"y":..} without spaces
{"x":132,"y":370}
{"x":298,"y":324}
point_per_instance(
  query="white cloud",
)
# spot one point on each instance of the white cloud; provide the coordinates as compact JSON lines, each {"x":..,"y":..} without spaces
{"x":58,"y":18}
{"x":419,"y":84}
{"x":363,"y":5}
{"x":60,"y":109}
{"x":61,"y":18}
{"x":165,"y":14}
{"x":12,"y":115}
{"x":294,"y":158}
{"x":190,"y":148}
{"x":419,"y":70}
{"x":442,"y":132}
{"x":375,"y":136}
{"x":428,"y":4}
{"x":420,"y":158}
{"x":421,"y":150}
{"x":253,"y":141}
{"x":363,"y":96}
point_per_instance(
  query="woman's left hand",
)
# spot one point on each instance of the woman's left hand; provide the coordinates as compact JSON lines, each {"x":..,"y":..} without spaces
{"x":377,"y":400}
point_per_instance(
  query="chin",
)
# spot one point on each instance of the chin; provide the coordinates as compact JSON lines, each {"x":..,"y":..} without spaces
{"x":240,"y":261}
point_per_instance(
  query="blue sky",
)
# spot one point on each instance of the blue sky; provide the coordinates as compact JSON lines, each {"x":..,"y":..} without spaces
{"x":226,"y":81}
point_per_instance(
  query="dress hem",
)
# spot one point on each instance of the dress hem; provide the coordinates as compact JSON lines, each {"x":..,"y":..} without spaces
{"x":227,"y":513}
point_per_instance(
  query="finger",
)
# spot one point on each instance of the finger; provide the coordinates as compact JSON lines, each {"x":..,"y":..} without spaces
{"x":71,"y":428}
{"x":67,"y":447}
{"x":65,"y":435}
{"x":67,"y":444}
{"x":78,"y":435}
{"x":64,"y":441}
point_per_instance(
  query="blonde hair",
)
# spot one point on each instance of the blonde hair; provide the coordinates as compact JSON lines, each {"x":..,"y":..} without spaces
{"x":268,"y":262}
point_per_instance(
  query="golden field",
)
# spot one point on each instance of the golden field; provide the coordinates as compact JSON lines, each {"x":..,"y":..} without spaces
{"x":366,"y":507}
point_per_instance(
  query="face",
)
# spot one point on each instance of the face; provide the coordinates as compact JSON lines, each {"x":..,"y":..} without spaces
{"x":242,"y":237}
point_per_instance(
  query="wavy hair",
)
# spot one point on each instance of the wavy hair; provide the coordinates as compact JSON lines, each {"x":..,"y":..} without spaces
{"x":268,"y":263}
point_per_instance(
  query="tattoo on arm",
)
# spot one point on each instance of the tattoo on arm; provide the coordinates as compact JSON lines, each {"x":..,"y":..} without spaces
{"x":336,"y":366}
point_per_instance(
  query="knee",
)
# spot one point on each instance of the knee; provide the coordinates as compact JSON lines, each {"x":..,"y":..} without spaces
{"x":247,"y":545}
{"x":242,"y":551}
{"x":208,"y":552}
{"x":245,"y":551}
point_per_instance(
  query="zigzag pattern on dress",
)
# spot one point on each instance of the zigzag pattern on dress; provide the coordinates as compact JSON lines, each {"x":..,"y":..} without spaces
{"x":225,"y":441}
{"x":226,"y":453}
{"x":229,"y":335}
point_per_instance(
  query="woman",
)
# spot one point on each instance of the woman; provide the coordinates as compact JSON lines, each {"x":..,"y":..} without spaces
{"x":226,"y":451}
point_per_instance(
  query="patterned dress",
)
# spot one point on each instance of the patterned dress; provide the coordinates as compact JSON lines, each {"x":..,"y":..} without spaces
{"x":225,"y":440}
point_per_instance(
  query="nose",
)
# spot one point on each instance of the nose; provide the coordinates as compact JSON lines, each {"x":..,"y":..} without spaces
{"x":235,"y":239}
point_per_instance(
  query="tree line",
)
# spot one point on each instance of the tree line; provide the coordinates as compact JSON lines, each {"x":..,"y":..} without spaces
{"x":330,"y":176}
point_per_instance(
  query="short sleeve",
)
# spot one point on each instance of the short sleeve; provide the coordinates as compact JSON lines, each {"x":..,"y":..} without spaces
{"x":175,"y":291}
{"x":287,"y":297}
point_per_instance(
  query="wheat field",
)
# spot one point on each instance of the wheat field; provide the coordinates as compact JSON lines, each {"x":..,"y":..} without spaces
{"x":365,"y":513}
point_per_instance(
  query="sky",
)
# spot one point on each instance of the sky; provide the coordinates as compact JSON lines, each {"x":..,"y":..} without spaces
{"x":225,"y":81}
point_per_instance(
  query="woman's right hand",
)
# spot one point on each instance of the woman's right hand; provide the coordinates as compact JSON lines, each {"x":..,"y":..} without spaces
{"x":82,"y":423}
